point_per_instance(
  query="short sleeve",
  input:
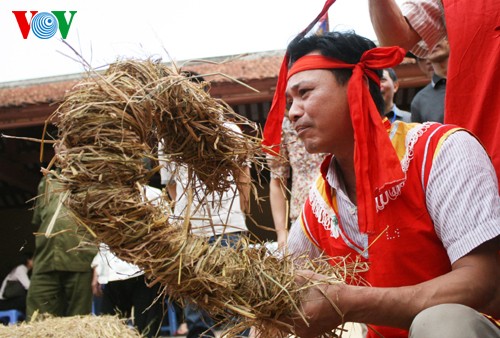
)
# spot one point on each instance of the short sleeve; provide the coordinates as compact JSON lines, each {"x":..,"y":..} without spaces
{"x":462,"y":195}
{"x":426,"y":17}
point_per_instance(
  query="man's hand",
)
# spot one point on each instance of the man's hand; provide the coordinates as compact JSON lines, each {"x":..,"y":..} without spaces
{"x":319,"y":306}
{"x":96,"y":287}
{"x":282,"y":237}
{"x":390,"y":25}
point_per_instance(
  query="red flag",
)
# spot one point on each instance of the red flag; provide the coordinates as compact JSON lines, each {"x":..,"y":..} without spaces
{"x":320,"y":27}
{"x":323,"y":25}
{"x":272,"y":128}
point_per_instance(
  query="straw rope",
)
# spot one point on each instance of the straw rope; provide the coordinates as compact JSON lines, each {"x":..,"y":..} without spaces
{"x":107,"y":125}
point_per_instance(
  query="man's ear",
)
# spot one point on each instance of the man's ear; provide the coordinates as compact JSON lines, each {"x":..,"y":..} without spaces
{"x":396,"y":86}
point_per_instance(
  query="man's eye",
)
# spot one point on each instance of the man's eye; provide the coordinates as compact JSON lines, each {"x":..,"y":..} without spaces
{"x":289,"y":103}
{"x":303,"y":91}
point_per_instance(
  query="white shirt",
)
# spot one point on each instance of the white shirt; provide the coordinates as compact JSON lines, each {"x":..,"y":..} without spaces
{"x":110,"y":268}
{"x":19,"y":273}
{"x":210,"y":214}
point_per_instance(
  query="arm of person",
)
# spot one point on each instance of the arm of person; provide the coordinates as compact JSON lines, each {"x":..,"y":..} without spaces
{"x":172,"y":190}
{"x":277,"y":196}
{"x":391,"y":27}
{"x":23,"y":276}
{"x":96,"y":287}
{"x":98,"y":267}
{"x":244,"y":186}
{"x":462,"y":199}
{"x":474,"y":281}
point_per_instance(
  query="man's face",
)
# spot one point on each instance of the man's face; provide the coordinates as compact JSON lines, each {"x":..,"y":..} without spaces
{"x":425,"y":66}
{"x":387,"y":88}
{"x":319,"y":111}
{"x":440,"y":52}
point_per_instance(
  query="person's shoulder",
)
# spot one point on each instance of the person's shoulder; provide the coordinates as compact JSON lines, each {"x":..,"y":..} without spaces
{"x":21,"y":268}
{"x":42,"y":183}
{"x":422,"y":92}
{"x":403,"y":115}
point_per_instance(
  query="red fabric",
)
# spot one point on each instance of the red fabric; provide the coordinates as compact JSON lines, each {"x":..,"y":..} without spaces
{"x":376,"y":163}
{"x":472,"y":87}
{"x":321,"y":14}
{"x":272,"y":129}
{"x":403,"y":223}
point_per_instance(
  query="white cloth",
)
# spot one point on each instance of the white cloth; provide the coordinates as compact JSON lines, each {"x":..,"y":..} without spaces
{"x":110,"y":268}
{"x":427,"y":18}
{"x":461,"y":196}
{"x":210,"y":215}
{"x":19,"y":273}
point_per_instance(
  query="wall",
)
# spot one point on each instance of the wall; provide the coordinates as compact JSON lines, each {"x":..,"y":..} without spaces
{"x":17,"y":237}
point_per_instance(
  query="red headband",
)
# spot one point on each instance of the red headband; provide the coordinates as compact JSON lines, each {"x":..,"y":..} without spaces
{"x":272,"y":128}
{"x":376,"y":163}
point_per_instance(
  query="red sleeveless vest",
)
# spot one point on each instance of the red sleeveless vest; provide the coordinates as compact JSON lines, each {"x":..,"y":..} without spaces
{"x":405,"y":249}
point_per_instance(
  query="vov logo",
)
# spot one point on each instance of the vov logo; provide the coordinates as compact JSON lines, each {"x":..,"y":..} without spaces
{"x":44,"y":24}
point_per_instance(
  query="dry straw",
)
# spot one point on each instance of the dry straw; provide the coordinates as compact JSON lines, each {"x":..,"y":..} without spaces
{"x":108,"y":123}
{"x":74,"y":327}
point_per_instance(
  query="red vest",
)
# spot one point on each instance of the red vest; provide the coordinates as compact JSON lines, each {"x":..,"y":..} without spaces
{"x":405,"y":249}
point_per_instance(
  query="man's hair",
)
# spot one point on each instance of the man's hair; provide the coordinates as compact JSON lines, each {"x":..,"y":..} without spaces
{"x":344,"y":46}
{"x":392,"y":74}
{"x":26,"y":256}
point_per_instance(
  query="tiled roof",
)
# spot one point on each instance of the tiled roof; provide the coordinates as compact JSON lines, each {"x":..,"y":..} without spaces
{"x":242,"y":67}
{"x":255,"y":66}
{"x":34,"y":94}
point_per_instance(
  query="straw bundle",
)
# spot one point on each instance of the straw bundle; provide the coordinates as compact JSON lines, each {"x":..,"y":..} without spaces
{"x":75,"y":327}
{"x":107,"y":125}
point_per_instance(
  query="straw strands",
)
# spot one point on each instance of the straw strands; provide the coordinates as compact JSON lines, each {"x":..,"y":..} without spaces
{"x":108,"y":124}
{"x":75,"y":327}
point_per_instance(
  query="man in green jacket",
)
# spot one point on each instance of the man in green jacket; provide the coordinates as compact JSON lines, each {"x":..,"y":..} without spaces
{"x":61,"y":283}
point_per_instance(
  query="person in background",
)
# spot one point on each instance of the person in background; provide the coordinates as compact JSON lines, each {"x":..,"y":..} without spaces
{"x":215,"y":216}
{"x":221,"y":218}
{"x":424,"y":65}
{"x":15,"y":286}
{"x":62,"y":275}
{"x":123,"y":286}
{"x":407,"y":199}
{"x":389,"y":86}
{"x":295,"y":162}
{"x":428,"y":104}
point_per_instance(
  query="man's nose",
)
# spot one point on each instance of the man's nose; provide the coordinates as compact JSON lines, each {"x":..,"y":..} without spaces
{"x":294,"y":112}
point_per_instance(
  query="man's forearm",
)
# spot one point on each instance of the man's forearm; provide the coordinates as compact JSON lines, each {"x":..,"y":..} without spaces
{"x":244,"y":187}
{"x":390,"y":25}
{"x":473,"y":282}
{"x":278,"y":204}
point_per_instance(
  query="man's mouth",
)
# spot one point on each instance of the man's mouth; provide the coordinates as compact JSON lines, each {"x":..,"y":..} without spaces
{"x":300,"y":129}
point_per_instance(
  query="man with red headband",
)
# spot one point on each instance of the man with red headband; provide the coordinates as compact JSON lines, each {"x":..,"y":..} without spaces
{"x":408,"y":199}
{"x":473,"y":30}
